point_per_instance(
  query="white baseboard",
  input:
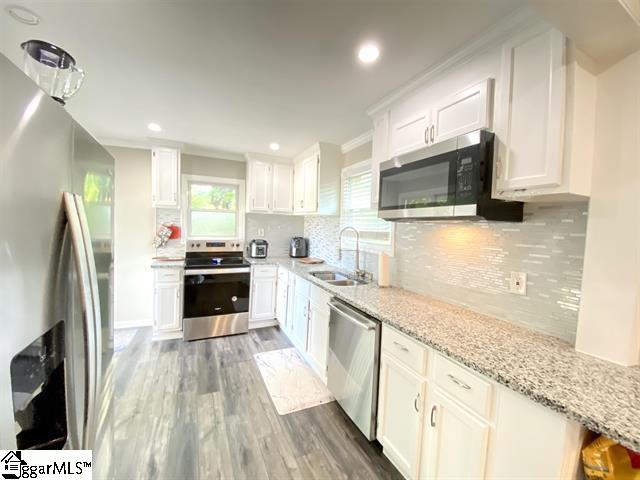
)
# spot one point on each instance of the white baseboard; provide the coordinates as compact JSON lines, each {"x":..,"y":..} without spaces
{"x":262,"y":323}
{"x":132,"y":324}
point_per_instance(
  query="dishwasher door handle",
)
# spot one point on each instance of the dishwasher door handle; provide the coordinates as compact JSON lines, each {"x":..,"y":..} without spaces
{"x":362,"y":324}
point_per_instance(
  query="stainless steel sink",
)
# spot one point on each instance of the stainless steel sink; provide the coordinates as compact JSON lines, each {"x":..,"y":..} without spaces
{"x":347,"y":282}
{"x":328,"y":276}
{"x":337,"y":279}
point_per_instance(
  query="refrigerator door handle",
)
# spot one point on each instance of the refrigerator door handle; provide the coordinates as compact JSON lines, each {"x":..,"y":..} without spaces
{"x":85,"y":268}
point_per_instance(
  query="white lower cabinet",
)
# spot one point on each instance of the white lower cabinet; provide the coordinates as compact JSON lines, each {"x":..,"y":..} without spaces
{"x":318,"y":331}
{"x":400,"y":406}
{"x":263,"y":295}
{"x":455,"y":440}
{"x":300,"y":320}
{"x":282,"y":297}
{"x":468,"y":427}
{"x":167,"y":300}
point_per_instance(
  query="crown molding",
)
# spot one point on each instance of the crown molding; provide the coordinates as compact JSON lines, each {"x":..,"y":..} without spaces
{"x":491,"y":38}
{"x":186,"y":148}
{"x":356,"y":142}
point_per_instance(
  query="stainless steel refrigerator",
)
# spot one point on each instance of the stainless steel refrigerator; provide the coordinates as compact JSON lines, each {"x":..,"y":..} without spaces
{"x":56,"y":276}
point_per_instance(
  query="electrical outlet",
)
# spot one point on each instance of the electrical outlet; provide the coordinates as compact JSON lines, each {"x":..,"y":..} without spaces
{"x":518,"y":283}
{"x":261,"y":232}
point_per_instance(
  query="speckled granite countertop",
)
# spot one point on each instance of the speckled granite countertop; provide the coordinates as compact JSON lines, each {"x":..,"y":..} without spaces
{"x":603,"y":396}
{"x":167,"y":264}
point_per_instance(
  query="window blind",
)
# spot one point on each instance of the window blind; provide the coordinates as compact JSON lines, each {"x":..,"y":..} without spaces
{"x":357,"y":212}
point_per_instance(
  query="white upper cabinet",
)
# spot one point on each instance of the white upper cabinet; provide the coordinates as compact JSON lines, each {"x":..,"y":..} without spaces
{"x":316,"y":180}
{"x":410,"y":133}
{"x":165,"y":177}
{"x":270,"y":184}
{"x":282,"y":196}
{"x":463,"y":112}
{"x":532,"y":104}
{"x":379,"y":152}
{"x":546,"y":120}
{"x":260,"y":187}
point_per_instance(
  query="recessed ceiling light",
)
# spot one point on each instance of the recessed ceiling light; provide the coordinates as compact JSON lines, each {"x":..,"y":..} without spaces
{"x":274,"y":146}
{"x":22,"y":15}
{"x":368,"y":53}
{"x":154,"y":127}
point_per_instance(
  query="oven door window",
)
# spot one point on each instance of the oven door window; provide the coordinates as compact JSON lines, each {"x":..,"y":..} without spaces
{"x":217,"y":294}
{"x":420,"y":184}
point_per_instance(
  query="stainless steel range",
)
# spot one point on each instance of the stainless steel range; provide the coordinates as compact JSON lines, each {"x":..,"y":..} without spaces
{"x":217,"y":282}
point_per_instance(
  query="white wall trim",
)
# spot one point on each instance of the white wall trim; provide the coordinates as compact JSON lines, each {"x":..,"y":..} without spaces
{"x":149,"y":142}
{"x":356,"y":142}
{"x":262,"y":323}
{"x":356,"y":168}
{"x":492,"y":37}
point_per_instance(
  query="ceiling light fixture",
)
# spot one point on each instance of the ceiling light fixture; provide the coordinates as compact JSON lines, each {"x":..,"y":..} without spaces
{"x":22,"y":15}
{"x":368,"y":53}
{"x":274,"y":146}
{"x":154,"y":127}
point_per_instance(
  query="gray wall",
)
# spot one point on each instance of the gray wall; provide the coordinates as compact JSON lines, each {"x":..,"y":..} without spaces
{"x":212,"y":167}
{"x":363,"y":152}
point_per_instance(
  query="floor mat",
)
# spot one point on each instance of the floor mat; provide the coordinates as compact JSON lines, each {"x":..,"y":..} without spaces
{"x":291,"y":383}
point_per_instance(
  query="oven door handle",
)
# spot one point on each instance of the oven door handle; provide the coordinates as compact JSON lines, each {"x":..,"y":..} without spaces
{"x":217,"y":271}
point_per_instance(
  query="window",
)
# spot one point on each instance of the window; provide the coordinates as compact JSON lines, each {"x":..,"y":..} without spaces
{"x":375,"y":234}
{"x":214,"y":207}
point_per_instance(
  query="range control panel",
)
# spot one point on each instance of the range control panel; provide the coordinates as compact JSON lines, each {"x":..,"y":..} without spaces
{"x":215,"y":246}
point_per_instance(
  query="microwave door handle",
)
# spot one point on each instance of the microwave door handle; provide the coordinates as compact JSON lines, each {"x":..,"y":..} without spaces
{"x":88,"y":313}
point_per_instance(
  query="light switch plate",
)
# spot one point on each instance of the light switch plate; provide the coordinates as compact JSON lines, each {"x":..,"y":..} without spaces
{"x":518,"y":283}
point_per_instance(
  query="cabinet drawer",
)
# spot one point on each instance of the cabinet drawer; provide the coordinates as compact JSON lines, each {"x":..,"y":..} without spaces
{"x":168,"y":275}
{"x":265,"y":271}
{"x":320,"y":298}
{"x":466,"y":386}
{"x":408,"y":351}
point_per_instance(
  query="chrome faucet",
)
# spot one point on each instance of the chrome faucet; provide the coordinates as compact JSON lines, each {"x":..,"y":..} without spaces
{"x":360,"y":274}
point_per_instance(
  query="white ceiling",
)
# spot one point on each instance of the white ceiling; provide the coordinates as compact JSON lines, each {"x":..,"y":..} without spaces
{"x":237,"y":75}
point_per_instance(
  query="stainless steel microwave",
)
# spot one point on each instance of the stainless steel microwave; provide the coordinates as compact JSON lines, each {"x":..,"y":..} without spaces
{"x":451,"y":179}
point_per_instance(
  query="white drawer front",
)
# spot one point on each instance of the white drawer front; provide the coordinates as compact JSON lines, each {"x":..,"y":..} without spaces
{"x":408,"y":351}
{"x":168,"y":275}
{"x":464,"y":385}
{"x":265,"y":271}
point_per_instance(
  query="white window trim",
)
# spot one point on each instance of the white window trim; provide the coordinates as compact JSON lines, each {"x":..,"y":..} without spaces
{"x":206,"y":179}
{"x":355,"y":169}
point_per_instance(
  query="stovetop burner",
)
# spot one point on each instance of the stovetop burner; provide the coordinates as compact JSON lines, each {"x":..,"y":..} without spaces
{"x":215,"y":260}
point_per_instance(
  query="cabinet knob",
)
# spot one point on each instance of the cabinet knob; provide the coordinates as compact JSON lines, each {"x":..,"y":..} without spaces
{"x":432,"y":418}
{"x":433,"y":131}
{"x":426,"y":135}
{"x":415,"y":403}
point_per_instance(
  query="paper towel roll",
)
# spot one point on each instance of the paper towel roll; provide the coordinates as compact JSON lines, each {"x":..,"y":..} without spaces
{"x":384,"y":279}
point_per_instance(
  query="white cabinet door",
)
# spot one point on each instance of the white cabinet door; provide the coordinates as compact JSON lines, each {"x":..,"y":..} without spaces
{"x":529,"y":125}
{"x":298,"y":187}
{"x":462,"y":113}
{"x":263,"y":297}
{"x":282,"y":196}
{"x":165,"y":177}
{"x":310,"y":166}
{"x":288,"y":328}
{"x":456,"y":444}
{"x":260,"y":187}
{"x":318,"y":343}
{"x":379,"y":152}
{"x":282,"y":299}
{"x":300,"y":322}
{"x":167,"y":311}
{"x":410,"y":134}
{"x":400,"y":404}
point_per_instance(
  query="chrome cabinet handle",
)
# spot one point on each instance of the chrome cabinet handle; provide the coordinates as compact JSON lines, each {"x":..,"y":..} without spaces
{"x":458,"y":382}
{"x":426,"y":135}
{"x":400,"y":346}
{"x":432,"y":132}
{"x":415,"y":403}
{"x":431,"y":417}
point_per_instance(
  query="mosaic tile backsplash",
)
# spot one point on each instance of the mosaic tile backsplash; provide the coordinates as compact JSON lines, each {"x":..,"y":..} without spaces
{"x":470,"y":263}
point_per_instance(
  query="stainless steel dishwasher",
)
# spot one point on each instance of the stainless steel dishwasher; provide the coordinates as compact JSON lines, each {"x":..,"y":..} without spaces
{"x":354,"y":364}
